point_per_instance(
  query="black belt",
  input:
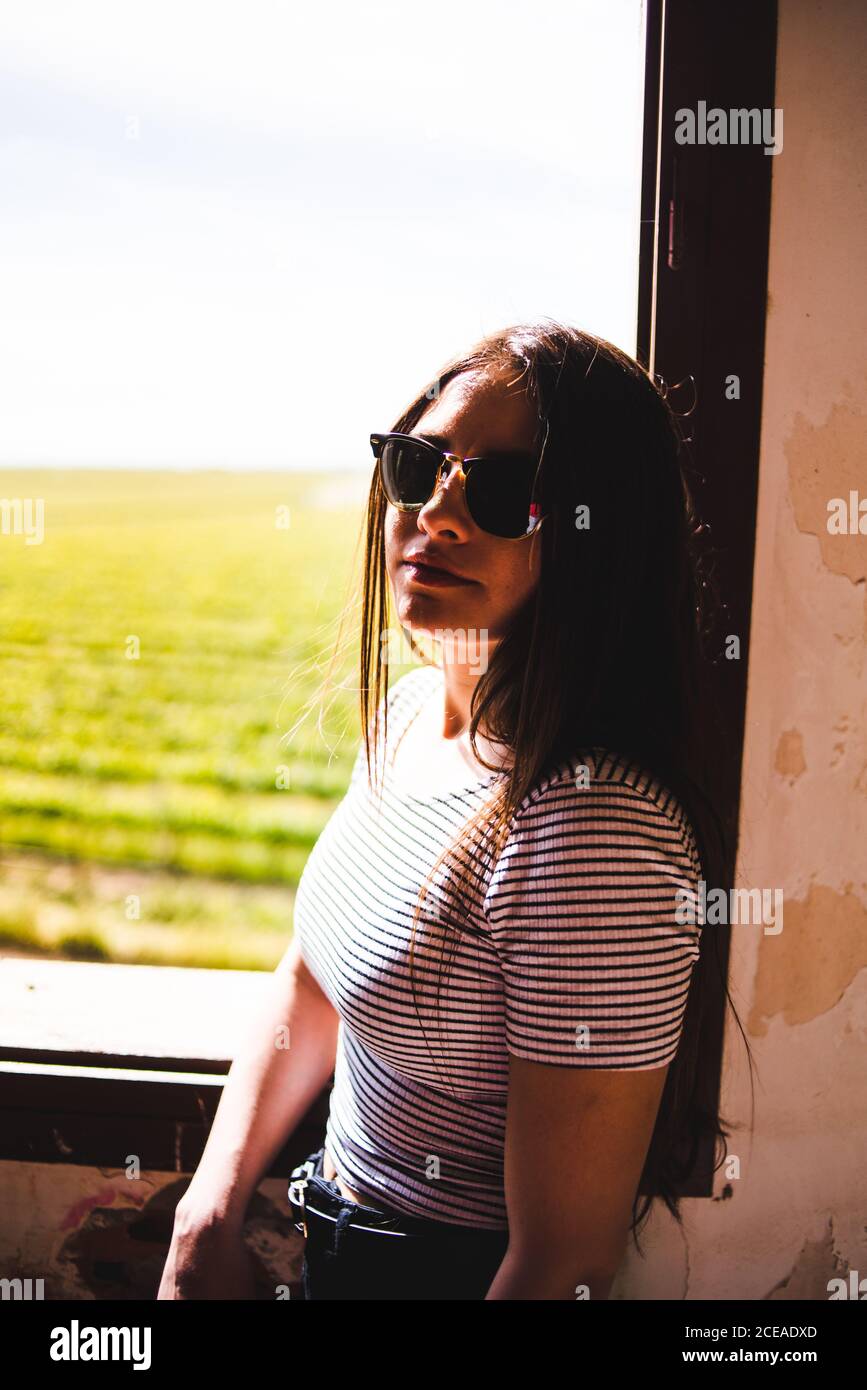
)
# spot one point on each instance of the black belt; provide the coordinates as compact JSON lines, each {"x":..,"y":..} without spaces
{"x":310,"y":1195}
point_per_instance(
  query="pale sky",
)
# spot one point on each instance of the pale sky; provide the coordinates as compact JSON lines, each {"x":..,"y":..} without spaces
{"x":244,"y":235}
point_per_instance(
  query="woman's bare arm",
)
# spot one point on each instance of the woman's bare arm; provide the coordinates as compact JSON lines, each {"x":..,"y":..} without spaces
{"x":282,"y":1066}
{"x":576,"y":1143}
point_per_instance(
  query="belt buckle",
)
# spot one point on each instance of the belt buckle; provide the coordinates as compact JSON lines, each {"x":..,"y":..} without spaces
{"x":298,"y":1186}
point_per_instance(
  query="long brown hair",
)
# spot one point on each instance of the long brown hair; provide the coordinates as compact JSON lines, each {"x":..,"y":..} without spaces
{"x":625,"y":664}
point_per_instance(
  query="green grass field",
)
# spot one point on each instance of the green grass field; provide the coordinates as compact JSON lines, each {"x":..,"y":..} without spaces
{"x":156,"y":650}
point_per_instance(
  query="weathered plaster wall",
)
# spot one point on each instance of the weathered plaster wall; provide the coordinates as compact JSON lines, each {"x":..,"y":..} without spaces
{"x":92,"y":1233}
{"x":797,"y":1214}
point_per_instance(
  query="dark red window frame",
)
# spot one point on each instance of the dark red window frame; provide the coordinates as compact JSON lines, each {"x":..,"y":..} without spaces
{"x":705,"y":219}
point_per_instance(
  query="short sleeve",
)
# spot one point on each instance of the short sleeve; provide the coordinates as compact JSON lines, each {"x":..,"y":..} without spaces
{"x":582,"y":909}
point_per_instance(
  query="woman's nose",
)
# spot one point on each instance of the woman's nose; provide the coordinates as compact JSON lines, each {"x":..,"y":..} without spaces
{"x":447,"y":504}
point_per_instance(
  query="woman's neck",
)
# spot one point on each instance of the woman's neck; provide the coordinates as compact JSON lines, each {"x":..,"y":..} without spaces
{"x":460,"y":681}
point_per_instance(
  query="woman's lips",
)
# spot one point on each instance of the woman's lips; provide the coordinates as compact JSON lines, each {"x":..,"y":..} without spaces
{"x":425,"y":574}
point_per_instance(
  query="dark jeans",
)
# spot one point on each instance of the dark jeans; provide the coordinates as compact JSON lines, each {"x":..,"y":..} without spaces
{"x":358,"y":1252}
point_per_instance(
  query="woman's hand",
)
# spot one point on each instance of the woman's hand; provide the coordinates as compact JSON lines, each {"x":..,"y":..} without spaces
{"x":207,"y":1259}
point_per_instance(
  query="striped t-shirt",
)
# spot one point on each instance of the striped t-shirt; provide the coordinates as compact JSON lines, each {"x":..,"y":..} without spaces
{"x":572,"y":955}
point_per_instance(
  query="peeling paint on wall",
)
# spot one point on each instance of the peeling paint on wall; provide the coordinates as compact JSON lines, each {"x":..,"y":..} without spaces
{"x":93,"y":1235}
{"x":79,"y":1210}
{"x":812,"y":483}
{"x":807,"y":968}
{"x":818,"y":1261}
{"x":789,"y":760}
{"x":120,"y":1252}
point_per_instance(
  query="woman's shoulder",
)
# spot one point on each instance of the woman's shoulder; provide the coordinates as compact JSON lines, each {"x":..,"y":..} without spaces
{"x":600,"y":792}
{"x":597,"y":842}
{"x":407,"y":696}
{"x":398,"y":706}
{"x":582,"y":910}
{"x":411,"y":689}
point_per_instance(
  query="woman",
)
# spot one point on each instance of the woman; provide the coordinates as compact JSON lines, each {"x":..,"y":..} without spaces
{"x":487,"y":950}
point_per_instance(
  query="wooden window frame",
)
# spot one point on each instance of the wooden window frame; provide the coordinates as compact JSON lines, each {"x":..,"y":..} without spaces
{"x":703,"y":271}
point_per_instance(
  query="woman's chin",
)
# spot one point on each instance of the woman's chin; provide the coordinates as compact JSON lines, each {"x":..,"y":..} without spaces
{"x":430,"y":611}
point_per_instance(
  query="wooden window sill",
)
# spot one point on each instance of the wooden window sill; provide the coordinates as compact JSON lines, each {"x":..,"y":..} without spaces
{"x":98,"y":1062}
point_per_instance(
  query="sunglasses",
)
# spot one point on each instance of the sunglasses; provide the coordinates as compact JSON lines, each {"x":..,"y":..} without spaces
{"x":498,"y":489}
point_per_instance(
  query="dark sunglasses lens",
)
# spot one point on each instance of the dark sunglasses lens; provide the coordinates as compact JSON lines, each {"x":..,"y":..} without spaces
{"x":408,"y":472}
{"x":499,"y":493}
